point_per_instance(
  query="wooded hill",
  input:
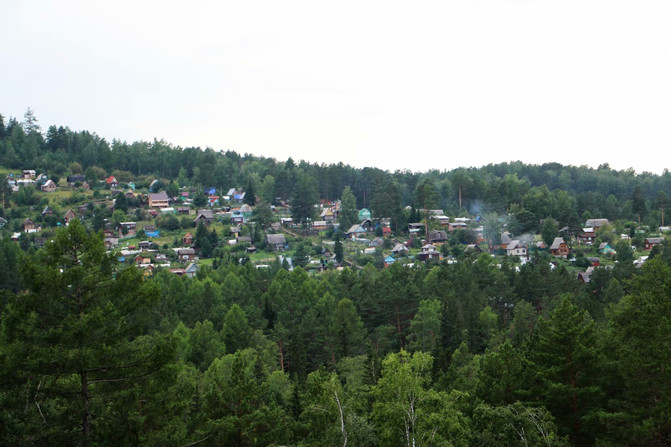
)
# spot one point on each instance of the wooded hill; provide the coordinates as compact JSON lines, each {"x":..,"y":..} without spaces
{"x":474,"y":350}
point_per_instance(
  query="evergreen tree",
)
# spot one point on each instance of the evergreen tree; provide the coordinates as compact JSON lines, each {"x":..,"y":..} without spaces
{"x":74,"y":341}
{"x":306,"y":195}
{"x":566,"y":363}
{"x":338,"y":249}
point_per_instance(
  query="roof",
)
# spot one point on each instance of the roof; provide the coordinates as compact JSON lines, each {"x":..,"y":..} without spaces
{"x":596,"y":222}
{"x":275,"y":239}
{"x":505,"y":238}
{"x":514,"y":244}
{"x":186,"y":251}
{"x":585,"y":276}
{"x":556,"y":243}
{"x":356,"y":229}
{"x":399,"y":247}
{"x":158,"y":196}
{"x":207,"y":214}
{"x":654,"y":240}
{"x":437,"y":235}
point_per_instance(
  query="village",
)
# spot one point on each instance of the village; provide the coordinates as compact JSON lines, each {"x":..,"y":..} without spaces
{"x":192,"y":227}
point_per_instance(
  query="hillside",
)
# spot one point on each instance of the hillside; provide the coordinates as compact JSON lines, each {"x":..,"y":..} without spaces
{"x":162,"y":295}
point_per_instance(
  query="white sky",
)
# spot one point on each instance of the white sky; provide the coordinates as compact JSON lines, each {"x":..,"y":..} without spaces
{"x":396,"y":85}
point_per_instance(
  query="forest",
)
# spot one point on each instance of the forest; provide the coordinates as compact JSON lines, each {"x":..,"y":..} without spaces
{"x":472,"y":350}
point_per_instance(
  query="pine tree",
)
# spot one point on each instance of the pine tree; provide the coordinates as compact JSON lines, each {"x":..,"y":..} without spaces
{"x":74,"y":340}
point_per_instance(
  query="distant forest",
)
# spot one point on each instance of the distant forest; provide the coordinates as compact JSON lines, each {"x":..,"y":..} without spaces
{"x":569,"y":194}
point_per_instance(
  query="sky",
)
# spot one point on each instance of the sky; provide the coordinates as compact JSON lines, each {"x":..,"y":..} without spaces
{"x":395,"y":85}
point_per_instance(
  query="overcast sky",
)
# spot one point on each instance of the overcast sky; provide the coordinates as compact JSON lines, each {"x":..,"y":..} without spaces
{"x":396,"y":85}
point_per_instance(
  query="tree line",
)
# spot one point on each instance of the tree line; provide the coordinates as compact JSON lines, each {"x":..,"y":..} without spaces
{"x":530,"y":193}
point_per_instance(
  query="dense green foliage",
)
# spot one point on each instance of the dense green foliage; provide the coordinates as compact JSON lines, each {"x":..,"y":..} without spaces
{"x":450,"y":354}
{"x":474,"y":352}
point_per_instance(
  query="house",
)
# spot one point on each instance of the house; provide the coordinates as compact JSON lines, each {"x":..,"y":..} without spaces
{"x":473,"y":248}
{"x":415,"y":227}
{"x":505,"y":240}
{"x":244,"y":240}
{"x":516,"y":248}
{"x":144,"y":245}
{"x":442,"y":220}
{"x":587,"y":236}
{"x":276,"y":241}
{"x":428,"y":252}
{"x":364,"y":214}
{"x":47,"y":211}
{"x":377,"y":242}
{"x":111,"y":239}
{"x":237,"y":217}
{"x":327,"y":215}
{"x":74,"y":179}
{"x":69,"y":215}
{"x":319,"y":225}
{"x":142,"y":260}
{"x":386,"y":231}
{"x":453,"y":226}
{"x":183,"y":210}
{"x":191,"y":270}
{"x":158,"y":200}
{"x":354,"y":231}
{"x":28,"y":174}
{"x":651,"y":242}
{"x":28,"y":226}
{"x":586,"y":276}
{"x":48,"y":186}
{"x":593,"y":261}
{"x":128,"y":228}
{"x":246,"y":211}
{"x":606,"y":249}
{"x":596,"y":223}
{"x":389,"y":260}
{"x":437,"y":236}
{"x":112,"y":181}
{"x":188,"y":239}
{"x":400,"y":249}
{"x":559,"y":248}
{"x":178,"y":272}
{"x":210,"y":191}
{"x":187,"y":254}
